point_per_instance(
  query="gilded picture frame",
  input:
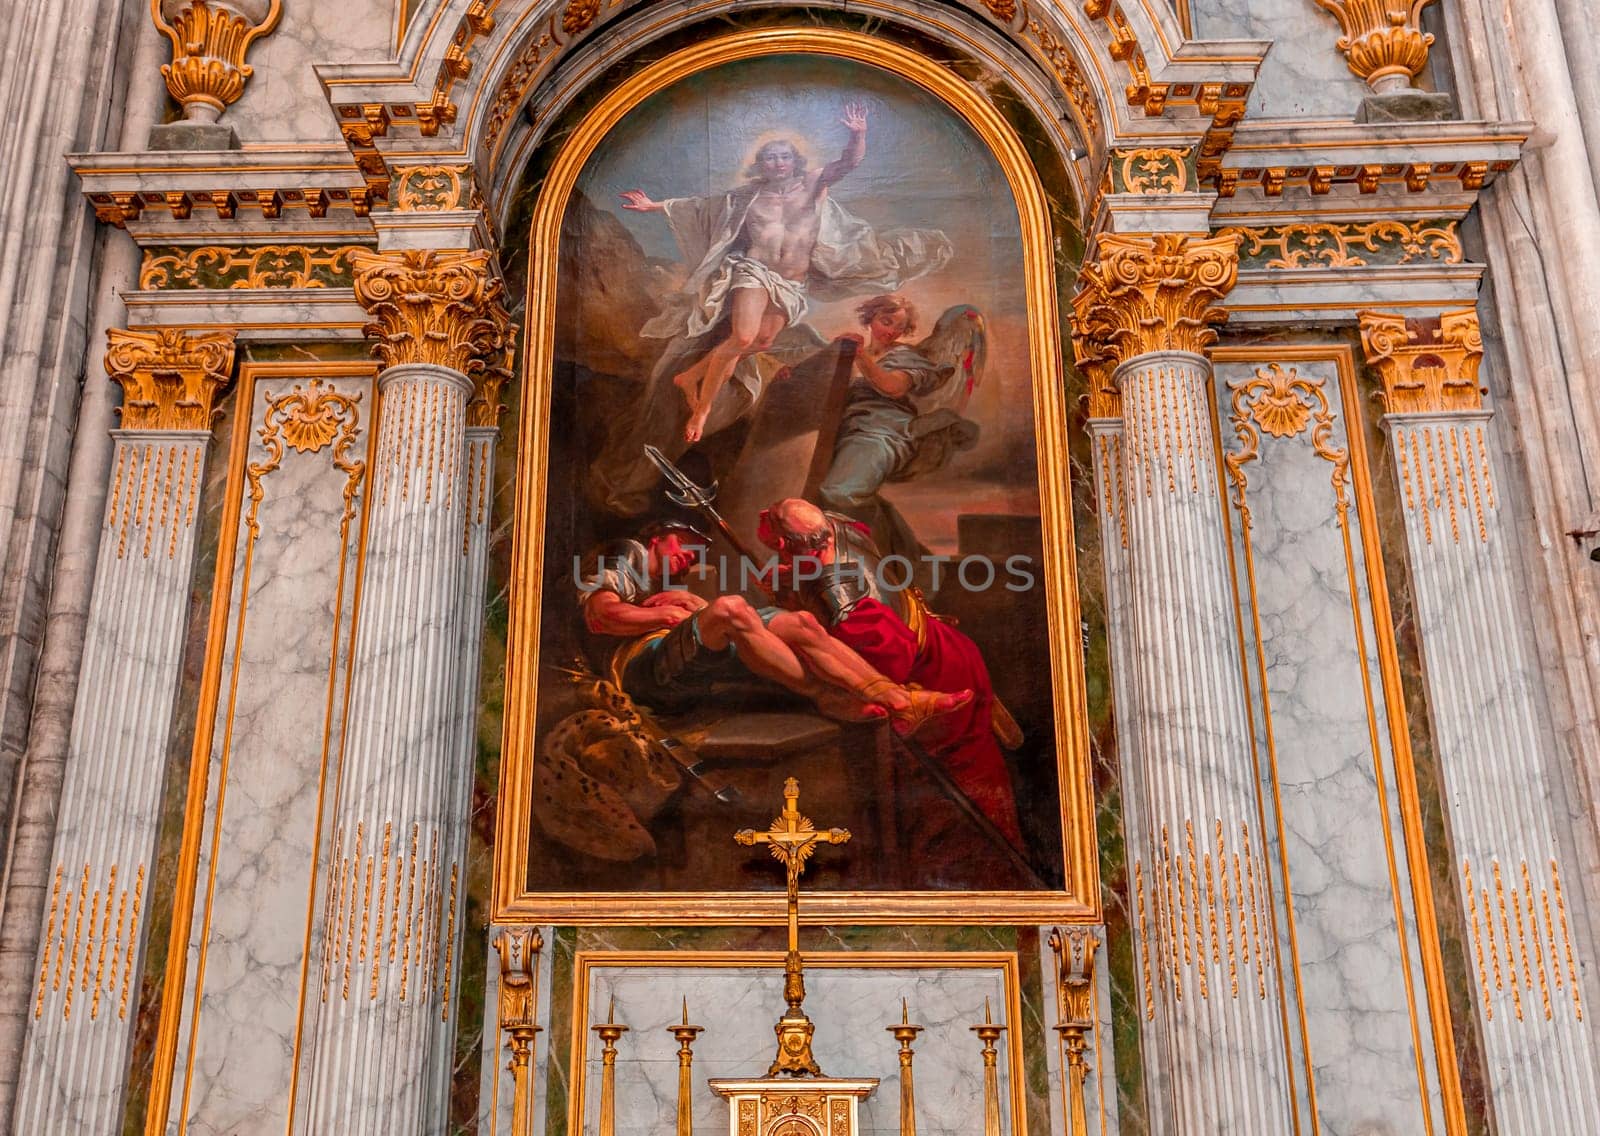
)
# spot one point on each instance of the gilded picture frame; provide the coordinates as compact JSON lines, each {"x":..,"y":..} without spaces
{"x":1078,"y":899}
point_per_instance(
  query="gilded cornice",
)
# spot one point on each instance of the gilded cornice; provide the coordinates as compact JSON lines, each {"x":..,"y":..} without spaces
{"x":1346,"y":244}
{"x":209,"y":41}
{"x":1150,"y":293}
{"x":1427,"y":365}
{"x":435,"y":307}
{"x":1383,"y":41}
{"x":170,"y":378}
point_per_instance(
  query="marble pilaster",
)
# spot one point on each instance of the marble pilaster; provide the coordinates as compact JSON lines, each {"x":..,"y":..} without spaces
{"x":1142,"y":312}
{"x":91,"y":954}
{"x":384,"y":1023}
{"x":1526,"y":955}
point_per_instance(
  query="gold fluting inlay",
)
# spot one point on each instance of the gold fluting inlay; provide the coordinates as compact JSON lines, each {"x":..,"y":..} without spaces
{"x":253,"y":266}
{"x":88,"y":959}
{"x":1327,"y":244}
{"x":1426,"y":364}
{"x":1522,"y":930}
{"x":1383,"y":41}
{"x":170,"y":378}
{"x":433,"y":307}
{"x":1151,"y":293}
{"x":148,"y":477}
{"x":1208,"y":916}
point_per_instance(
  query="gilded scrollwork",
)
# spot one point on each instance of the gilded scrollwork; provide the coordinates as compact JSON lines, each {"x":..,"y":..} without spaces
{"x":170,"y":377}
{"x":1282,"y":403}
{"x":307,"y":419}
{"x":432,"y":189}
{"x":257,"y":266}
{"x":1150,"y":169}
{"x":1068,"y":73}
{"x":1341,"y":244}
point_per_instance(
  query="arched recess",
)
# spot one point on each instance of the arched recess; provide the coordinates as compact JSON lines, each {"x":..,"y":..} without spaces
{"x":1051,"y":245}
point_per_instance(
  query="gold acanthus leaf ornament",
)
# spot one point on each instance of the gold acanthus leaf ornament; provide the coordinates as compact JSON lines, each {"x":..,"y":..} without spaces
{"x":436,"y":307}
{"x":1383,"y":41}
{"x":1427,"y":365}
{"x":209,"y":41}
{"x":170,"y":378}
{"x":1144,"y":294}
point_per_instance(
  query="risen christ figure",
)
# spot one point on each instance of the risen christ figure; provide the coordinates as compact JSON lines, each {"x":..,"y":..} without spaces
{"x":758,"y":250}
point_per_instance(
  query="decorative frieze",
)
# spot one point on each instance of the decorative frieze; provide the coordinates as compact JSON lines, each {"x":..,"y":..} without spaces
{"x":433,"y":189}
{"x":170,"y":378}
{"x":248,"y":266}
{"x":436,"y":308}
{"x":1383,"y":40}
{"x":209,"y":41}
{"x":1346,"y":244}
{"x":1153,"y":170}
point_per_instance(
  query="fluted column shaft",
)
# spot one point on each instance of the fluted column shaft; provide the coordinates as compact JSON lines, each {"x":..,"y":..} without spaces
{"x":87,"y":976}
{"x":383,"y":1027}
{"x":1213,"y":1005}
{"x":1525,"y":953}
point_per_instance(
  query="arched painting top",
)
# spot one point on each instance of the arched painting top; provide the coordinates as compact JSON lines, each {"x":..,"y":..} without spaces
{"x":838,"y":394}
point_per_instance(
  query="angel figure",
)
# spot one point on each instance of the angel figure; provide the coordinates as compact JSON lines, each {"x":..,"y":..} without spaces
{"x":904,"y":415}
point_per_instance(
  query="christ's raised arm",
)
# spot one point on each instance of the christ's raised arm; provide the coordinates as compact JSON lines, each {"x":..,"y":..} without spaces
{"x":854,"y":119}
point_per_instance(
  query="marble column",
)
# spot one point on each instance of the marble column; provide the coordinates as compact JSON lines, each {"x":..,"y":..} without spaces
{"x":86,"y":982}
{"x":383,"y":1024}
{"x":1525,"y":952}
{"x":1213,"y":1004}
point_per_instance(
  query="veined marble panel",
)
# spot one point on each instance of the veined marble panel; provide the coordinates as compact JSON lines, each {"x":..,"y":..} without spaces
{"x":1304,"y":74}
{"x":254,"y":951}
{"x":1322,"y":726}
{"x":852,"y":1008}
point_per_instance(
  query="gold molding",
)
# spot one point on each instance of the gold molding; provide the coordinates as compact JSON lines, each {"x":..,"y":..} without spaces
{"x":440,"y":308}
{"x":1383,"y":41}
{"x":209,"y":41}
{"x":1075,"y":949}
{"x":1427,"y":365}
{"x":1079,"y":901}
{"x":1147,"y":293}
{"x":170,"y":378}
{"x":518,"y":948}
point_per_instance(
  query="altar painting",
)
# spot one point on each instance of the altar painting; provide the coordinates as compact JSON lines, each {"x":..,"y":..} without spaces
{"x":792,"y":521}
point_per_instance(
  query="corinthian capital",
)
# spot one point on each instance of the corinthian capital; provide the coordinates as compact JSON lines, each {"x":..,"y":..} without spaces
{"x":170,"y":378}
{"x":1383,"y":40}
{"x":1150,"y":293}
{"x":1427,"y":365}
{"x":209,"y":39}
{"x":434,"y":307}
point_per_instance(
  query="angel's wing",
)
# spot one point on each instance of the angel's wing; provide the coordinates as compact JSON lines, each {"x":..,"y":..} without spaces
{"x":959,"y":340}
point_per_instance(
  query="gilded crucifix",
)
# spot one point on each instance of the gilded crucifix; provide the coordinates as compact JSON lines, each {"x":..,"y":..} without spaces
{"x":792,"y":840}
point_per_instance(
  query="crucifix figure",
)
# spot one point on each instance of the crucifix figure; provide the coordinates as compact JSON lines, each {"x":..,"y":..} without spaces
{"x":792,"y":840}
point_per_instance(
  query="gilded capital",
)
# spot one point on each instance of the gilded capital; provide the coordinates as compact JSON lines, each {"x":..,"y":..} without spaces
{"x":1149,"y":293}
{"x":209,"y":41}
{"x":170,"y":378}
{"x":1427,"y":365}
{"x":435,"y":307}
{"x":1383,"y":40}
